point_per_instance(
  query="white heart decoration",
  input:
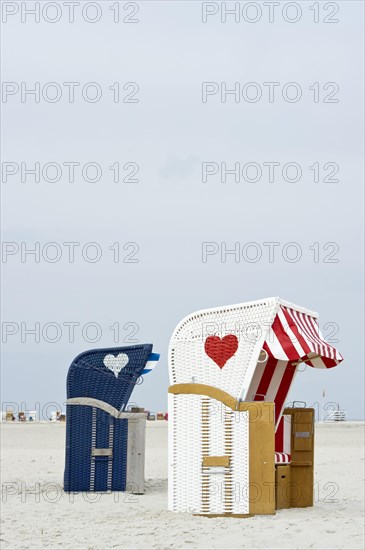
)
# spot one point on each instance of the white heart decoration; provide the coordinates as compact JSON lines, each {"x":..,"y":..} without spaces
{"x":116,"y":363}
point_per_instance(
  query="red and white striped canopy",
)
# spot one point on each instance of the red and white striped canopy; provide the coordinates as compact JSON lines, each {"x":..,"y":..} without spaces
{"x":295,"y":336}
{"x":294,"y":339}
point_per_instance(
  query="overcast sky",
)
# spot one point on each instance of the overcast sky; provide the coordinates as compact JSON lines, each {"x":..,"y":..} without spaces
{"x":160,"y":133}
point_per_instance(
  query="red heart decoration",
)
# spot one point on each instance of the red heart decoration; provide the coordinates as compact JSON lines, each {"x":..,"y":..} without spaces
{"x":221,"y":349}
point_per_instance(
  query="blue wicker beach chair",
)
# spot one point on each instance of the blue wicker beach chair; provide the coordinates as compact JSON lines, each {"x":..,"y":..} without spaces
{"x":98,"y":427}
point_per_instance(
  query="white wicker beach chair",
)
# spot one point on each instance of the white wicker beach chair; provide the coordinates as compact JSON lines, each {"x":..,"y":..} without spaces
{"x":231,"y":369}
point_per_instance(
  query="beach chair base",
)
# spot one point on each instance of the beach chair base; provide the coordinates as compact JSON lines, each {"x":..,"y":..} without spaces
{"x":107,"y":463}
{"x":294,"y":481}
{"x":302,"y":457}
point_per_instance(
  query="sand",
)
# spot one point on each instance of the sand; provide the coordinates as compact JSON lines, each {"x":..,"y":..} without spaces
{"x":37,"y":514}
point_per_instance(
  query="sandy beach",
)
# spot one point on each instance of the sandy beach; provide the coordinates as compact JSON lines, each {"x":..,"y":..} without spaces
{"x":36,"y":513}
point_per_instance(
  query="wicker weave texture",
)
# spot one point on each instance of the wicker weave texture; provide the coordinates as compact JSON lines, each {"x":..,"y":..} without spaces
{"x":249,"y":323}
{"x":240,"y":462}
{"x":89,"y":428}
{"x":185,"y":453}
{"x":89,"y":377}
{"x":200,"y":427}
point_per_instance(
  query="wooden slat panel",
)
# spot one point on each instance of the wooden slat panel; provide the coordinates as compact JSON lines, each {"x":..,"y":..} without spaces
{"x":262,"y":457}
{"x":302,"y":429}
{"x":302,"y":444}
{"x":303,"y":416}
{"x":282,"y":486}
{"x":136,"y":454}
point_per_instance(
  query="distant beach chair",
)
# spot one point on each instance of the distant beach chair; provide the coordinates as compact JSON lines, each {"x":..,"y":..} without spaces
{"x":335,"y":416}
{"x":104,"y":442}
{"x":231,"y":439}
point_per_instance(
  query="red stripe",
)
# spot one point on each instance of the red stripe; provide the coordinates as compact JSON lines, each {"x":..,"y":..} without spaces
{"x":307,"y":362}
{"x":329,"y":363}
{"x":281,"y":458}
{"x":305,"y":329}
{"x":300,"y":338}
{"x":312,"y":332}
{"x":266,"y":378}
{"x":329,"y":349}
{"x":284,"y":340}
{"x":302,"y":323}
{"x":294,"y":328}
{"x":283,"y":389}
{"x":267,"y":349}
